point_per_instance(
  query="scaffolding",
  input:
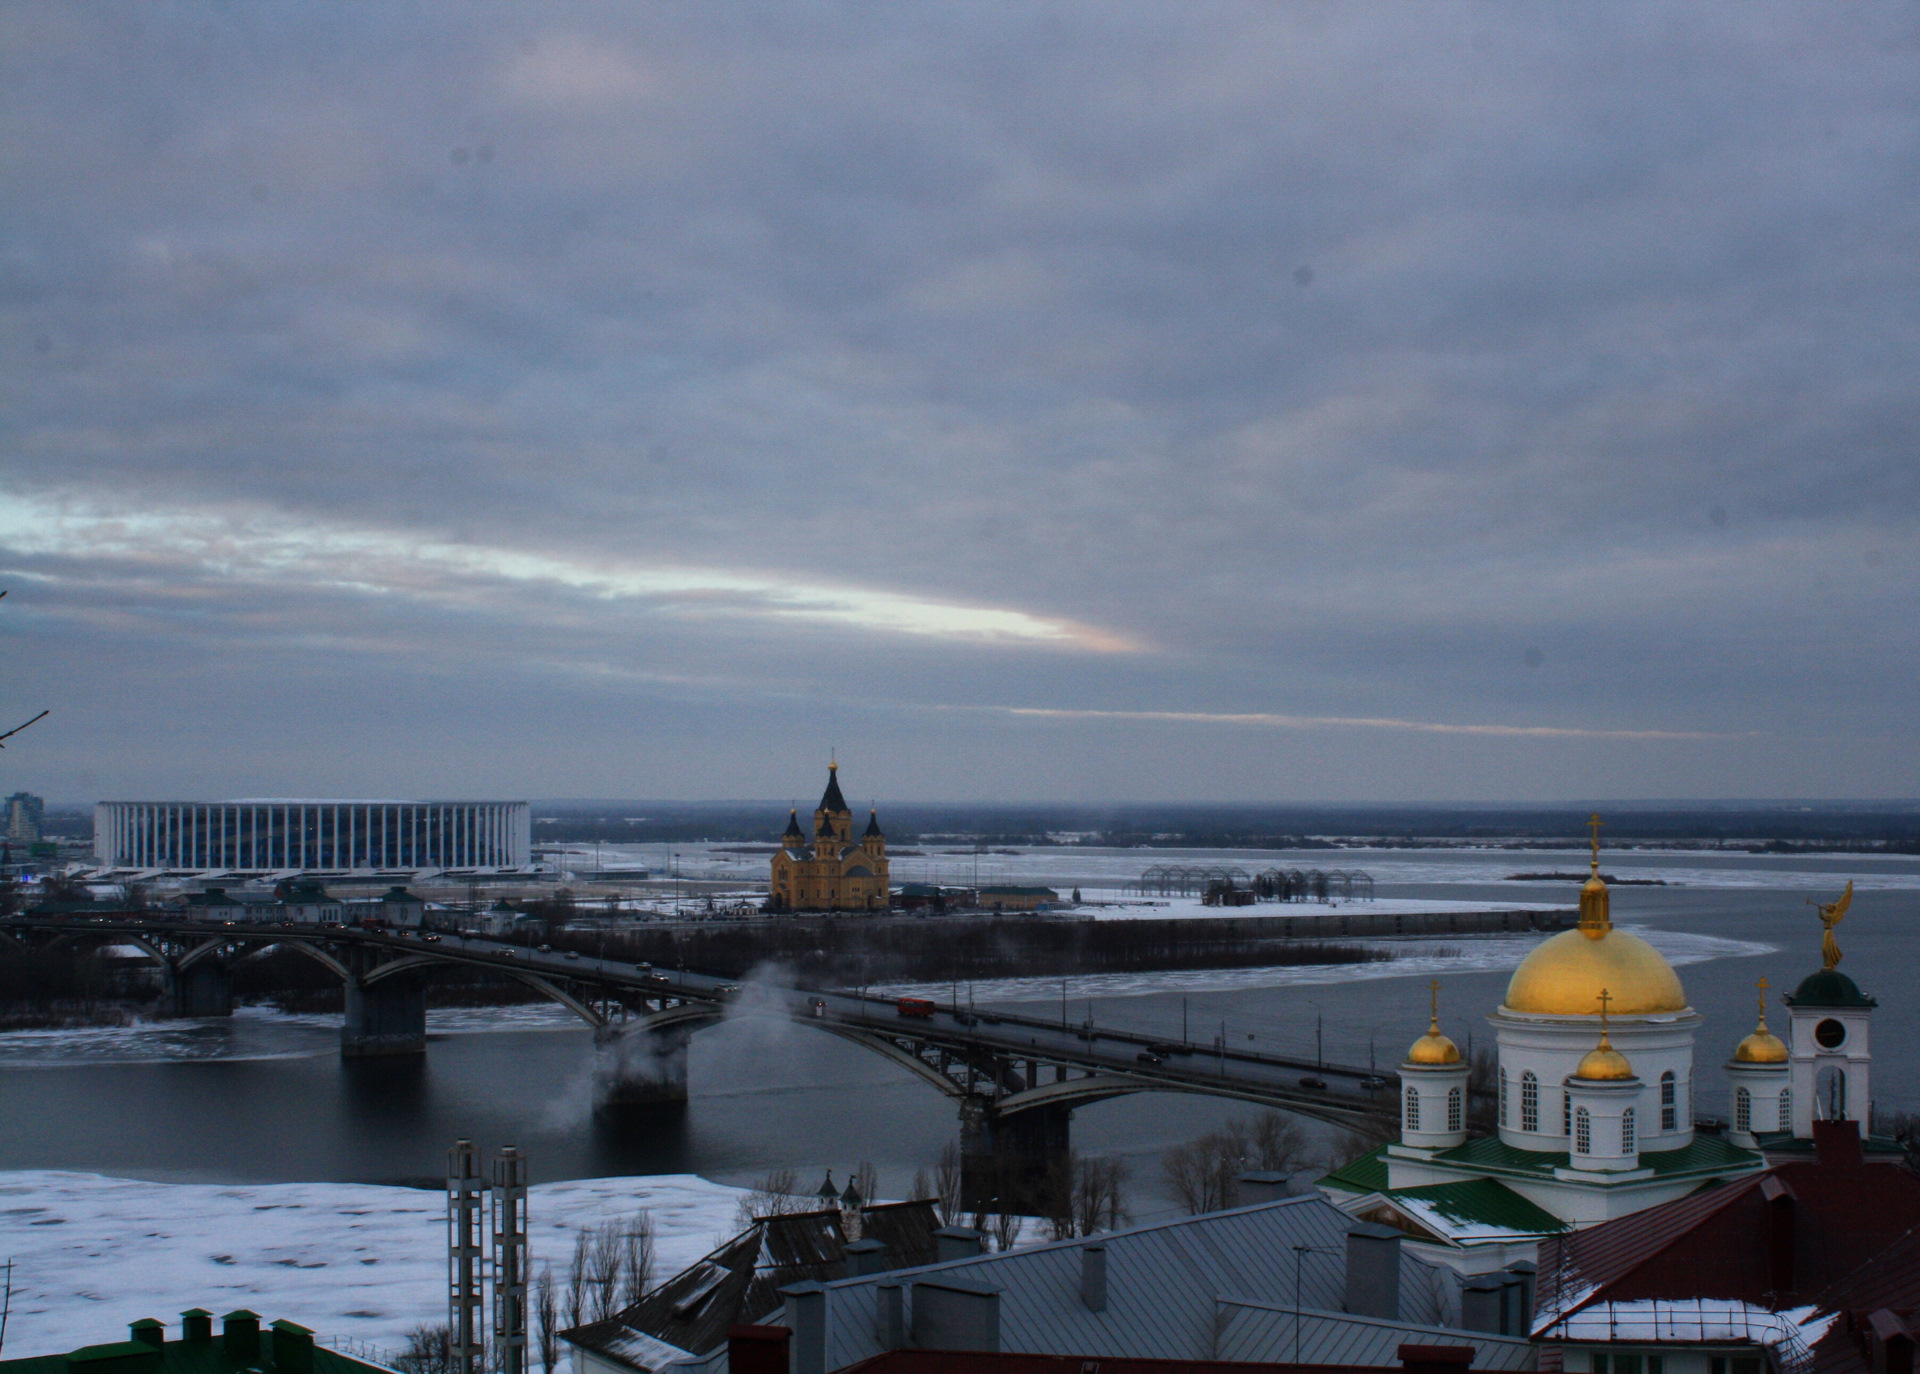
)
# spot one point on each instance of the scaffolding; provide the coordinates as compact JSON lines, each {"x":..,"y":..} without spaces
{"x":466,"y":1203}
{"x":510,"y":1262}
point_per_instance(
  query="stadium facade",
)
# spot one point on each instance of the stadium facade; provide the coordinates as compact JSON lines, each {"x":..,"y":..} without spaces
{"x":281,"y":834}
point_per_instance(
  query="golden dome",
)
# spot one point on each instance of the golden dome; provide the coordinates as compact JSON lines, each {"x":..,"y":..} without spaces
{"x":1604,"y":1064}
{"x":1565,"y":975}
{"x":1763,"y":1046}
{"x":1433,"y":1048}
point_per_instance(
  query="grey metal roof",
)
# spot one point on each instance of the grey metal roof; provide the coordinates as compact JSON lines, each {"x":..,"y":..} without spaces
{"x":1264,"y":1333}
{"x":1164,"y":1283}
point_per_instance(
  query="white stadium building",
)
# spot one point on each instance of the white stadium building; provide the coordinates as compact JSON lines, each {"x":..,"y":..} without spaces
{"x":271,"y":834}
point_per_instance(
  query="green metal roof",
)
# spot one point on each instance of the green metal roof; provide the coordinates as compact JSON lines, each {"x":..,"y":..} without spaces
{"x":1364,"y":1174}
{"x":1829,"y":988}
{"x":283,"y":1348}
{"x":1482,"y":1202}
{"x":1705,"y":1154}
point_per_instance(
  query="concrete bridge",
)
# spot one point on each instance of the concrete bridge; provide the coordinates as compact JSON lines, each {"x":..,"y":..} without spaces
{"x":1015,"y":1079}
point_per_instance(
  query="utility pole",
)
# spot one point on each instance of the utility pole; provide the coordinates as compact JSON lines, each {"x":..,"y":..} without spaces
{"x":464,"y":1207}
{"x":510,"y":1261}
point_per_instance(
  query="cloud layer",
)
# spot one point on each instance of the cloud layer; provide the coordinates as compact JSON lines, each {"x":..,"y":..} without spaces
{"x":1032,"y":402}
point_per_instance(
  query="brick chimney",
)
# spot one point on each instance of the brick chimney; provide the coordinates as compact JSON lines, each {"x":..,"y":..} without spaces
{"x":1836,"y":1144}
{"x":758,"y":1349}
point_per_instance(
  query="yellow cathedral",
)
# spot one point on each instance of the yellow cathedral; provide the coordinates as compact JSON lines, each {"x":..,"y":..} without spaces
{"x":834,"y":873}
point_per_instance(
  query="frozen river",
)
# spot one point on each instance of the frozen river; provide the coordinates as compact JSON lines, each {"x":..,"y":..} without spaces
{"x":265,"y":1099}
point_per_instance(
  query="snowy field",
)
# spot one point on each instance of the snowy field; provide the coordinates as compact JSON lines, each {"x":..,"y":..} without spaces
{"x":347,"y":1259}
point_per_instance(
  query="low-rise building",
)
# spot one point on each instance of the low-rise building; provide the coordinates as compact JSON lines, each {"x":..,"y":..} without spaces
{"x":218,"y":904}
{"x":241,"y":1347}
{"x":304,"y":901}
{"x":1017,"y":898}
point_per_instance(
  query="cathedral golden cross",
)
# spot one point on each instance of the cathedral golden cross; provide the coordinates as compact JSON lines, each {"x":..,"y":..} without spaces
{"x":1434,"y":988}
{"x":1605,"y":997}
{"x":1763,"y":985}
{"x":1594,"y":823}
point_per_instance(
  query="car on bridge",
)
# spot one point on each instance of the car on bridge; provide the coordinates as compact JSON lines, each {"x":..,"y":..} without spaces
{"x":1149,"y":1057}
{"x":817,"y":1006}
{"x":920,"y":1008}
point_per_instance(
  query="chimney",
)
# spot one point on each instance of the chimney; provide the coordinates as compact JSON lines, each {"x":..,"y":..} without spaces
{"x":196,"y":1324}
{"x":866,"y":1257}
{"x":956,"y":1243}
{"x":890,"y":1315}
{"x":1889,"y":1343}
{"x":1373,"y":1271}
{"x":1093,"y":1277}
{"x":1305,"y":1182}
{"x":758,"y":1349}
{"x":1836,"y":1144}
{"x":1483,"y":1303}
{"x":1779,"y":1201}
{"x":292,"y":1349}
{"x":240,"y":1333}
{"x":1436,"y":1359}
{"x":1525,"y":1274}
{"x":953,"y":1314}
{"x":148,"y":1332}
{"x":807,"y":1319}
{"x":1264,"y":1185}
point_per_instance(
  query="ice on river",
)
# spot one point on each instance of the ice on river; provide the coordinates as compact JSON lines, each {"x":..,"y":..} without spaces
{"x":358,"y":1260}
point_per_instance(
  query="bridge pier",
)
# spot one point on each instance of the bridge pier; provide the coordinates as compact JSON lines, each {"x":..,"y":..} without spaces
{"x":203,"y":988}
{"x":1012,"y":1161}
{"x":639,"y":1067}
{"x":385,"y":1017}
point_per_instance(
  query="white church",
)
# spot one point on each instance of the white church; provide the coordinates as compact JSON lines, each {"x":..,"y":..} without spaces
{"x":1595,"y":1113}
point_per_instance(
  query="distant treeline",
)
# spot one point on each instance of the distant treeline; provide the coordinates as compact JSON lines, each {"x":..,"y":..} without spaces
{"x":859,"y":950}
{"x":1761,"y":828}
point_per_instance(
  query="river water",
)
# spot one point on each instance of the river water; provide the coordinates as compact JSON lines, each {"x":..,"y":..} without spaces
{"x":265,"y":1098}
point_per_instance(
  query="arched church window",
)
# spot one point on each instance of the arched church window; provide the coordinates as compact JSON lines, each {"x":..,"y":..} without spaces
{"x":1455,"y":1110}
{"x":1582,"y":1132}
{"x":1742,"y":1110}
{"x":1786,"y":1109}
{"x":1628,"y":1143}
{"x":1566,"y":1113}
{"x":1529,"y":1101}
{"x":1669,"y":1102}
{"x":1413,"y":1108}
{"x":1505,"y":1120}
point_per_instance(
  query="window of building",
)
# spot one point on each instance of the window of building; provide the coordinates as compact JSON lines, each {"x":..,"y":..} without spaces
{"x":1504,"y":1119}
{"x":1583,"y":1134}
{"x":1670,"y":1102}
{"x":1456,"y":1119}
{"x":1628,"y":1143}
{"x":1786,"y":1109}
{"x":1742,"y":1110}
{"x":1739,"y":1364}
{"x":1566,"y":1114}
{"x":1413,"y":1108}
{"x":1529,"y":1101}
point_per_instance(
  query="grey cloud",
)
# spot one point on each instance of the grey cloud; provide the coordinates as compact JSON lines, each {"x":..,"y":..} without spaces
{"x":1003,"y":307}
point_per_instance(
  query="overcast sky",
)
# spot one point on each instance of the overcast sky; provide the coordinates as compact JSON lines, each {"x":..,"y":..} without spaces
{"x":1034,"y":401}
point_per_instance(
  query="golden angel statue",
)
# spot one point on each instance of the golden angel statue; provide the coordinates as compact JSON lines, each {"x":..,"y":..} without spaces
{"x":1830,"y":914}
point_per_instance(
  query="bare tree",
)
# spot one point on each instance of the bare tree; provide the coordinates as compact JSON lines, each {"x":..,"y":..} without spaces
{"x":946,"y":1184}
{"x":1006,"y":1228}
{"x":546,"y":1321}
{"x":429,"y":1350}
{"x":1099,"y":1195}
{"x":922,"y":1185}
{"x":866,"y":1181}
{"x":1201,"y":1172}
{"x":577,"y":1279}
{"x":637,"y":1247}
{"x":775,"y":1194}
{"x":1275,"y":1143}
{"x":606,"y":1272}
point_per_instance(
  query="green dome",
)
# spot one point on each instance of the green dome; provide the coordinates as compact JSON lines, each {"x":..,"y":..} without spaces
{"x":1829,"y":988}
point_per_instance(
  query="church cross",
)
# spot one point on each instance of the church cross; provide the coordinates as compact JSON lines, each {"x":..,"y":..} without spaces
{"x":1763,"y":985}
{"x":1594,"y":823}
{"x":1605,"y":997}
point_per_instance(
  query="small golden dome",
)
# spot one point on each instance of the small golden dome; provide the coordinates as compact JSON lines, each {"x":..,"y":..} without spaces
{"x":1603,"y":1064}
{"x":1433,"y":1048}
{"x":1763,"y":1046}
{"x":1565,"y":975}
